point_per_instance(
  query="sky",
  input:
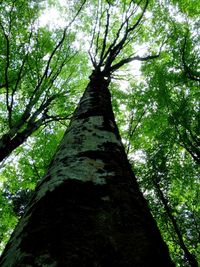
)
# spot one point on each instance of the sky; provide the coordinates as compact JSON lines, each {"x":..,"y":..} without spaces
{"x":51,"y":16}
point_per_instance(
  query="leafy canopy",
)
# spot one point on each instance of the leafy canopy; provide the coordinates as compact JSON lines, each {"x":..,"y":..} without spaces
{"x":45,"y":69}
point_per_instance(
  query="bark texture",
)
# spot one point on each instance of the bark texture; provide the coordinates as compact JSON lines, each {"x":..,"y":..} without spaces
{"x":88,"y":210}
{"x":16,"y":136}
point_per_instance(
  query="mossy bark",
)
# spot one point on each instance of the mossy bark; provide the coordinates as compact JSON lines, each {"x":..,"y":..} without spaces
{"x":88,"y":210}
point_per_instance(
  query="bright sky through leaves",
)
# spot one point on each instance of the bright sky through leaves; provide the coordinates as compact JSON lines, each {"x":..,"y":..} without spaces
{"x":53,"y":18}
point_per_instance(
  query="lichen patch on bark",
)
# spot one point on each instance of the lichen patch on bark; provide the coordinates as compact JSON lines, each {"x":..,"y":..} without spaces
{"x":72,"y":161}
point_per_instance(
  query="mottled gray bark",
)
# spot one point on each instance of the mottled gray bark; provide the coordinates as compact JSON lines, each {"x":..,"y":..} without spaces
{"x":88,"y":210}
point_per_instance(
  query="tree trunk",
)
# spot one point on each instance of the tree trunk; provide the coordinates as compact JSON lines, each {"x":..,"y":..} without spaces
{"x":190,"y":258}
{"x":14,"y":138}
{"x":88,"y":210}
{"x":8,"y":144}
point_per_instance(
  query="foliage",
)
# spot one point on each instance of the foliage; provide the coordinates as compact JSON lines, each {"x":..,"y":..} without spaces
{"x":157,"y":109}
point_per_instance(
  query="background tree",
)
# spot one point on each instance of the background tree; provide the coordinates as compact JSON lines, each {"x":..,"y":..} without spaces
{"x":32,"y":80}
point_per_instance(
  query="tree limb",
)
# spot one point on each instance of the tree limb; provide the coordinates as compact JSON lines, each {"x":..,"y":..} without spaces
{"x":130,"y":59}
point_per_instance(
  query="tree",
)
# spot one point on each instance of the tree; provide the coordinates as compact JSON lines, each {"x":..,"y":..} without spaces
{"x":88,"y":209}
{"x":167,"y":138}
{"x":156,"y":110}
{"x":34,"y":59}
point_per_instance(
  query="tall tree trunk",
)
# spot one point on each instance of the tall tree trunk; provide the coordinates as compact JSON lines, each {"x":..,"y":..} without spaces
{"x":88,"y":210}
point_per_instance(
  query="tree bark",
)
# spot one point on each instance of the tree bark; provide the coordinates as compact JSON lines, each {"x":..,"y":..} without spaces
{"x":88,"y":210}
{"x":8,"y":144}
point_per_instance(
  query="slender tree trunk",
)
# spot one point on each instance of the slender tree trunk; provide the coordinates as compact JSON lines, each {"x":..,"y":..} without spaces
{"x":8,"y":145}
{"x":88,"y":210}
{"x":9,"y":142}
{"x":190,"y":258}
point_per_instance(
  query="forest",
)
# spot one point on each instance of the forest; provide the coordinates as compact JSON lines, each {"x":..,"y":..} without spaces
{"x":146,"y":52}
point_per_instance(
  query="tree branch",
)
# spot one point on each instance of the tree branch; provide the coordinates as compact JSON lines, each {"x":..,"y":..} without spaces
{"x":133,"y":129}
{"x":6,"y":74}
{"x":128,"y":60}
{"x":194,"y":76}
{"x":117,"y":47}
{"x":105,"y":36}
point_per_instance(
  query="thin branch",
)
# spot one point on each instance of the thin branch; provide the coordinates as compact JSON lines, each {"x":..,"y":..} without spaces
{"x":58,"y":46}
{"x":44,"y":106}
{"x":50,"y":118}
{"x":118,"y":47}
{"x":105,"y":36}
{"x":98,"y":33}
{"x":133,"y":130}
{"x":133,"y":36}
{"x":94,"y":63}
{"x":184,"y":143}
{"x":189,"y":256}
{"x":36,"y":92}
{"x":6,"y":74}
{"x":130,"y":59}
{"x":140,"y":18}
{"x":195,"y":76}
{"x":125,"y":22}
{"x":93,"y":32}
{"x":17,"y":82}
{"x":113,"y":52}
